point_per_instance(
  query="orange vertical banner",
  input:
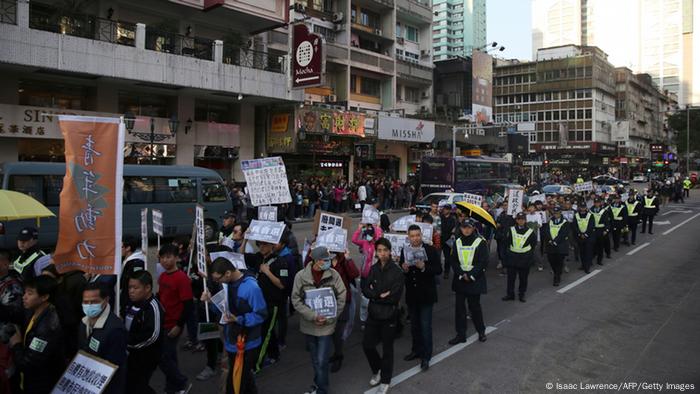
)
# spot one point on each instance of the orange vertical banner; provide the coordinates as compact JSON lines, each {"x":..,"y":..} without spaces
{"x":90,"y":213}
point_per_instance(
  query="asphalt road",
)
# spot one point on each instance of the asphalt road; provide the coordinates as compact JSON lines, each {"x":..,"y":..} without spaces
{"x":633,"y":321}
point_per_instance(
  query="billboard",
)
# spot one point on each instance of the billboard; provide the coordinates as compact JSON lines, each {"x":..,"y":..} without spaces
{"x":482,"y":80}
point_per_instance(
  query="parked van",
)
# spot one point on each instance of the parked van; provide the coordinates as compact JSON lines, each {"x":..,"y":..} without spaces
{"x":175,"y":190}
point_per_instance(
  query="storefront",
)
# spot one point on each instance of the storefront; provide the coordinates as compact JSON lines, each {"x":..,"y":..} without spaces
{"x":395,"y":138}
{"x":217,"y":146}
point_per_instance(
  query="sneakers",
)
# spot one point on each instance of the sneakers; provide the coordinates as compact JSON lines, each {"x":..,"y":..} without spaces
{"x":540,"y":268}
{"x":375,"y":379}
{"x":312,"y":390}
{"x":188,"y":345}
{"x":186,"y":390}
{"x":199,"y":347}
{"x":383,"y":388}
{"x":206,"y":374}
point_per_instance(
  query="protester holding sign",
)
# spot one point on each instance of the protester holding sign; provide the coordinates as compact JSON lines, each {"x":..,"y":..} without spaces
{"x":421,"y":294}
{"x":39,"y":357}
{"x":365,"y":237}
{"x":102,"y":334}
{"x":144,"y":320}
{"x":317,"y":328}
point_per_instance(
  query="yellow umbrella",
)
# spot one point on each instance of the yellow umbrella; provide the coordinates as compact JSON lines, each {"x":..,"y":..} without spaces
{"x":476,"y":212}
{"x":17,"y":206}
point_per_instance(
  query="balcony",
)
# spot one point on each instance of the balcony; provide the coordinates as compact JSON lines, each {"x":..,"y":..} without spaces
{"x":375,"y":61}
{"x":414,"y":72}
{"x":178,"y":44}
{"x":336,"y":52}
{"x":415,"y":10}
{"x":253,"y":59}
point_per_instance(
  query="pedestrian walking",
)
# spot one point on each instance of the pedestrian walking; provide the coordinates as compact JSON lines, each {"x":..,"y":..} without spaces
{"x":366,"y":237}
{"x":650,"y":209}
{"x":585,"y":236}
{"x":618,"y":214}
{"x":633,"y":210}
{"x":555,"y":236}
{"x":522,"y":242}
{"x":601,"y":219}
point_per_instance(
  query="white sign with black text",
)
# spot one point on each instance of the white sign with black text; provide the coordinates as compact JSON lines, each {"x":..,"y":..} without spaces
{"x":583,"y":187}
{"x":412,"y":255}
{"x":201,"y":242}
{"x":266,"y":181}
{"x":322,"y":301}
{"x":398,"y":242}
{"x":402,"y":223}
{"x":515,"y":201}
{"x":328,"y":221}
{"x":263,"y":231}
{"x":473,"y":199}
{"x":335,"y":239}
{"x":268,"y":214}
{"x":157,"y":216}
{"x":144,"y":234}
{"x":85,"y":374}
{"x":370,"y":215}
{"x":406,"y":129}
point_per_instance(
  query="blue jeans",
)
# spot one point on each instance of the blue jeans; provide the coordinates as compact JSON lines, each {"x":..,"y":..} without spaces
{"x":174,"y":379}
{"x":422,"y":330}
{"x":312,"y":210}
{"x":320,"y":350}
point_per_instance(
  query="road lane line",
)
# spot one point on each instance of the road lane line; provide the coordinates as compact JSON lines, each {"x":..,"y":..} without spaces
{"x":680,"y":224}
{"x":578,"y":282}
{"x":405,"y":375}
{"x":638,"y":248}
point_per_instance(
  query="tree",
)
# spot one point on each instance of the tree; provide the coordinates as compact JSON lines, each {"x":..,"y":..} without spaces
{"x":678,"y":122}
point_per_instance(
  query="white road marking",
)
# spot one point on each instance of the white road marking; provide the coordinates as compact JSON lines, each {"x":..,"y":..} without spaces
{"x":405,"y":375}
{"x":664,"y":223}
{"x":578,"y":282}
{"x":638,"y":248}
{"x":676,"y":211}
{"x":680,"y":224}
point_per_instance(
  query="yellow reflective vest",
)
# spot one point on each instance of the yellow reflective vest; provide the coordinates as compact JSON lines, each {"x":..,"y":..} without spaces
{"x":465,"y":253}
{"x":616,"y":212}
{"x":649,"y":202}
{"x":518,"y":241}
{"x":582,"y":223}
{"x":631,"y":208}
{"x":555,"y":228}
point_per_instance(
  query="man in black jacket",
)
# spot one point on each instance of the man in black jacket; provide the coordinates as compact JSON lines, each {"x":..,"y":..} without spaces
{"x":633,"y":209}
{"x":618,"y":216}
{"x":133,"y":260}
{"x":521,"y":242}
{"x":421,"y":263}
{"x":447,"y":227}
{"x":144,"y":323}
{"x":584,"y":229}
{"x":469,"y":259}
{"x":601,"y":217}
{"x":102,"y":334}
{"x":27,"y":240}
{"x":555,"y":236}
{"x":650,"y":209}
{"x":39,"y":358}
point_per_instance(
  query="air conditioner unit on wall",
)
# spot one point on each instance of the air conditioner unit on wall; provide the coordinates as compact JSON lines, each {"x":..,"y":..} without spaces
{"x":331,"y":98}
{"x":425,"y":52}
{"x":378,"y":32}
{"x":399,"y":40}
{"x":338,"y":17}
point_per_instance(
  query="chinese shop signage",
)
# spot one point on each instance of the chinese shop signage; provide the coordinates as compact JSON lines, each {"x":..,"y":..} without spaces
{"x":317,"y":121}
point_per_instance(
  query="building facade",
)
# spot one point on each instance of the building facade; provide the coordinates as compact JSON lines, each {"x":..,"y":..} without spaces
{"x":196,"y":87}
{"x":656,"y":37}
{"x":458,"y":27}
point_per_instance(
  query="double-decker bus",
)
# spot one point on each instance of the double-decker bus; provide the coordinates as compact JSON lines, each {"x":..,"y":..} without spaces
{"x":464,"y":174}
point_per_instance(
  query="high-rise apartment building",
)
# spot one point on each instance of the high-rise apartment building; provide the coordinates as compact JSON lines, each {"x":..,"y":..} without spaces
{"x":458,"y":27}
{"x":646,"y":36}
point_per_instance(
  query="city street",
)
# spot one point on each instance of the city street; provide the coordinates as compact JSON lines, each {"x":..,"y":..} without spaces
{"x":634,"y":320}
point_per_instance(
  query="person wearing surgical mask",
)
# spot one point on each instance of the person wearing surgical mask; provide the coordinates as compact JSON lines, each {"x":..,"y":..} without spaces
{"x":103,"y":334}
{"x":319,"y":296}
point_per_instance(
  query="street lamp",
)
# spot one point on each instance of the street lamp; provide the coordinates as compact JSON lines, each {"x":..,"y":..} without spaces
{"x":152,"y":137}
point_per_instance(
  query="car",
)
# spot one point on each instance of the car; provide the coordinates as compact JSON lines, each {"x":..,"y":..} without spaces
{"x":557,"y":189}
{"x":640,"y":178}
{"x":608,"y":179}
{"x":436,"y":198}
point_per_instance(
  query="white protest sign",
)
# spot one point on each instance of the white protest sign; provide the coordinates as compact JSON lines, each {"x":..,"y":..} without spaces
{"x":85,"y":374}
{"x":327,"y":222}
{"x":537,"y":197}
{"x":267,"y":181}
{"x":269,"y":232}
{"x":515,"y":201}
{"x":322,"y":302}
{"x":473,"y":199}
{"x":157,"y":216}
{"x":583,"y":187}
{"x":370,"y":215}
{"x":237,"y":259}
{"x":411,"y":255}
{"x":268,"y":214}
{"x":335,"y":239}
{"x":201,"y":250}
{"x":398,"y":241}
{"x":426,"y":230}
{"x":220,"y":300}
{"x":144,"y":231}
{"x":402,"y":223}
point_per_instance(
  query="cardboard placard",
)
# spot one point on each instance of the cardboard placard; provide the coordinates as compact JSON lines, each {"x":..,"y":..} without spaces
{"x":402,"y":223}
{"x":157,"y":217}
{"x":411,"y":255}
{"x":267,"y":213}
{"x":346,"y":221}
{"x":537,"y":197}
{"x":263,"y":231}
{"x":85,"y":374}
{"x":335,"y":239}
{"x":237,"y":259}
{"x":426,"y":230}
{"x":515,"y":201}
{"x":473,"y":199}
{"x":201,"y":247}
{"x":370,"y":215}
{"x":328,"y":222}
{"x":144,"y":231}
{"x":398,"y":242}
{"x":583,"y":187}
{"x":322,"y":301}
{"x":266,"y":181}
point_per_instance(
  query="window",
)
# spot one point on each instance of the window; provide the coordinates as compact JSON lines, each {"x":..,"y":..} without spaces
{"x":56,"y":95}
{"x":412,"y":94}
{"x":398,"y":30}
{"x":589,"y":114}
{"x":145,"y":104}
{"x":579,"y":114}
{"x":31,"y":185}
{"x":370,"y":87}
{"x":411,"y":34}
{"x":353,"y":83}
{"x":572,"y":114}
{"x":555,"y":115}
{"x":175,"y":190}
{"x":589,"y":135}
{"x":213,"y":191}
{"x":540,"y":116}
{"x":53,"y":185}
{"x":369,"y":18}
{"x":212,"y":111}
{"x":563,"y":115}
{"x":138,"y":190}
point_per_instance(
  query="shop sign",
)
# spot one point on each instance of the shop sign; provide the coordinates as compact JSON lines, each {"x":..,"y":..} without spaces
{"x":20,"y":121}
{"x":657,"y":148}
{"x":280,"y":138}
{"x":623,"y":160}
{"x":308,"y":58}
{"x":364,"y":151}
{"x":370,"y":125}
{"x":406,"y":129}
{"x":315,"y":144}
{"x":471,"y":152}
{"x":315,"y":121}
{"x":280,"y":123}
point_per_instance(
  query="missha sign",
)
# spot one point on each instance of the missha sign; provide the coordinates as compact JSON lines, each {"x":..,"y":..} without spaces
{"x":405,"y":129}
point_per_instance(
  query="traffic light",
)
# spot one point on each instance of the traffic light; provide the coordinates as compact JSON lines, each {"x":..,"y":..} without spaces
{"x":666,"y":162}
{"x":546,"y":162}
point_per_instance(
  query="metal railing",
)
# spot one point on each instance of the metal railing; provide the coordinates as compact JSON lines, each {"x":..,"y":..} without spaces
{"x":123,"y":33}
{"x":8,"y":11}
{"x":42,"y":17}
{"x":244,"y":57}
{"x":178,"y":44}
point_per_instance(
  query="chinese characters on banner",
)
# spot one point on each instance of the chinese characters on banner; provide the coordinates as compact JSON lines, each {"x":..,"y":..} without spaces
{"x":398,"y":242}
{"x":515,"y":201}
{"x":157,"y":221}
{"x":328,"y":222}
{"x":144,"y":232}
{"x":335,"y":122}
{"x":402,"y":223}
{"x":370,"y":215}
{"x":90,"y":215}
{"x":267,"y":181}
{"x":322,"y":302}
{"x":85,"y":374}
{"x":268,"y":214}
{"x":201,"y":243}
{"x":269,"y":232}
{"x":583,"y":187}
{"x":473,"y":199}
{"x":335,"y":239}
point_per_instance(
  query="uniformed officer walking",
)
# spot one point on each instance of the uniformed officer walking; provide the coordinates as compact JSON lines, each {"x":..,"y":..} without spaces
{"x":650,"y":209}
{"x":687,"y":184}
{"x":521,"y":241}
{"x":618,"y":214}
{"x":29,"y":253}
{"x":633,"y":210}
{"x":555,"y":236}
{"x":585,"y":235}
{"x":226,"y":232}
{"x":602,"y":228}
{"x":469,"y":258}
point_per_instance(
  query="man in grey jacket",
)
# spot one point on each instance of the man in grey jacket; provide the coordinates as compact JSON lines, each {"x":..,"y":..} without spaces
{"x":319,"y":297}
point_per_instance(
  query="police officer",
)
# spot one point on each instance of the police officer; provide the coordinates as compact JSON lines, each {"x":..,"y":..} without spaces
{"x":555,"y":236}
{"x":585,"y":235}
{"x":687,"y":184}
{"x":469,"y":259}
{"x":650,"y":209}
{"x":29,"y":253}
{"x":602,"y":229}
{"x":618,"y":214}
{"x":226,"y":232}
{"x":633,"y":209}
{"x":521,"y":241}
